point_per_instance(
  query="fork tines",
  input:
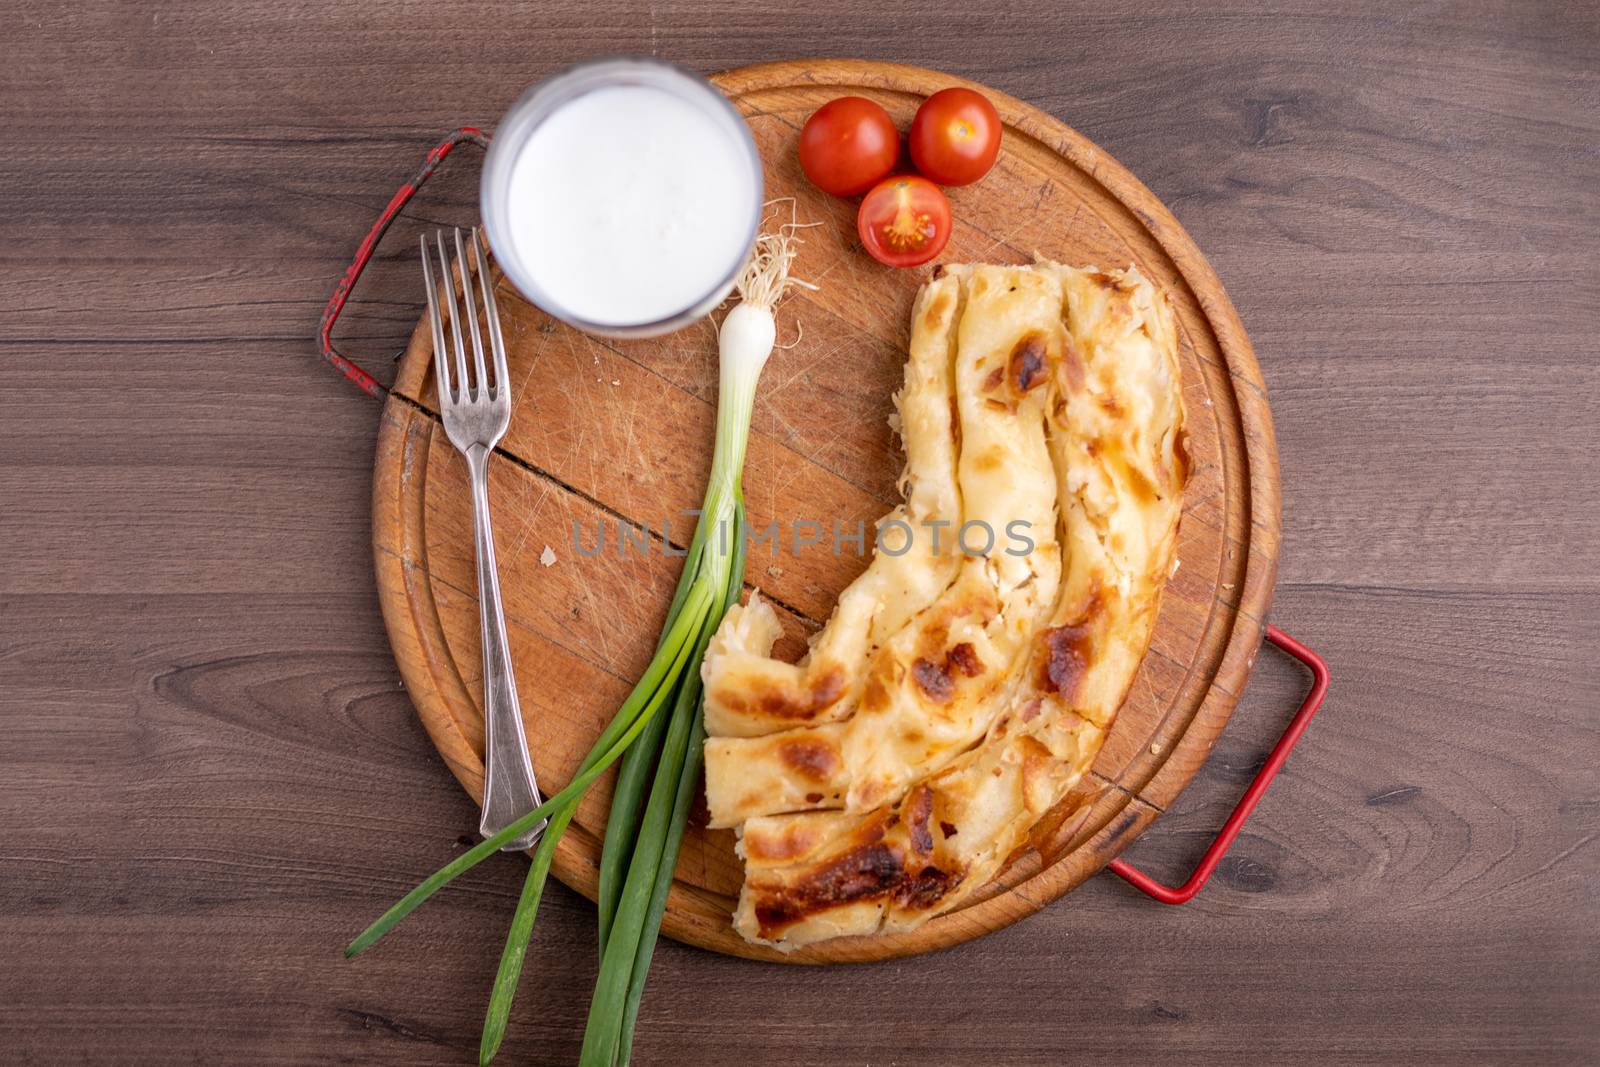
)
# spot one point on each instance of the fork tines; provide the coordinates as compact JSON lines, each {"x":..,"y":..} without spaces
{"x":455,"y":386}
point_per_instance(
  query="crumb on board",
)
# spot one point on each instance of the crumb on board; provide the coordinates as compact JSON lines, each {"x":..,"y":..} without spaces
{"x":548,"y":556}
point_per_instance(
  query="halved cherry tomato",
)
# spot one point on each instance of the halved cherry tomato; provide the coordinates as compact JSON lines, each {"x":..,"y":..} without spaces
{"x":955,"y":136}
{"x":847,"y":145}
{"x":904,"y":221}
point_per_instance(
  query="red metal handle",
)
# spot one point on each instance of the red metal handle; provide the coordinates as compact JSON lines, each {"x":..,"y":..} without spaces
{"x":341,"y":292}
{"x":1230,"y":829}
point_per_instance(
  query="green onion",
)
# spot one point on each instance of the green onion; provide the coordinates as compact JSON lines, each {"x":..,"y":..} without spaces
{"x":631,"y":908}
{"x":688,"y":783}
{"x":624,"y":817}
{"x":625,"y":957}
{"x":644,"y":833}
{"x":613,"y":742}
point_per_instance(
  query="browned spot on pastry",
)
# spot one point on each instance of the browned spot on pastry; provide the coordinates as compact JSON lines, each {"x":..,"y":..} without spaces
{"x":990,"y":459}
{"x":1139,"y":483}
{"x":1027,"y":361}
{"x":1066,"y":652}
{"x":933,"y":680}
{"x":918,"y":809}
{"x":730,"y":697}
{"x":1114,"y":455}
{"x":781,"y":702}
{"x":869,"y":794}
{"x":997,"y":405}
{"x":936,"y":629}
{"x":777,"y":703}
{"x":1111,"y":405}
{"x":963,"y":658}
{"x":884,"y":674}
{"x":936,"y":677}
{"x":1112,"y":283}
{"x":1030,"y":710}
{"x":875,"y":697}
{"x":813,"y":798}
{"x":927,"y":887}
{"x":795,"y":840}
{"x":827,"y":688}
{"x":875,"y":871}
{"x":869,"y":832}
{"x":955,"y":423}
{"x":948,"y":829}
{"x":939,"y":271}
{"x":860,"y":874}
{"x":936,"y":310}
{"x":813,"y":759}
{"x":992,"y":382}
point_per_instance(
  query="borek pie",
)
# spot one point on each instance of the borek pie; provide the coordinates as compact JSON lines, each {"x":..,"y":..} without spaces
{"x":952,"y":700}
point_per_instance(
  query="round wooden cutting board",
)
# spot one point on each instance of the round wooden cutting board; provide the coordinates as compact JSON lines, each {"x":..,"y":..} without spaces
{"x":606,"y":432}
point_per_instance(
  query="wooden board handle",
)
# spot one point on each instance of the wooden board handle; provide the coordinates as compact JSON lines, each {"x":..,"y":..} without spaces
{"x":1269,"y":770}
{"x":347,"y":281}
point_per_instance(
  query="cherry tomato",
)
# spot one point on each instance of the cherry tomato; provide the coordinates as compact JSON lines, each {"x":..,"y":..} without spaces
{"x":955,"y":136}
{"x":847,"y":145}
{"x":904,"y":221}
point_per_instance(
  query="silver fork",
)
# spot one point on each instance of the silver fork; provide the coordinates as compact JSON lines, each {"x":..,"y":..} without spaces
{"x":476,"y":412}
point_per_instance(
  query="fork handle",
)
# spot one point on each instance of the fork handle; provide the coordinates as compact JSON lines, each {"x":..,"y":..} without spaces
{"x":509,"y":789}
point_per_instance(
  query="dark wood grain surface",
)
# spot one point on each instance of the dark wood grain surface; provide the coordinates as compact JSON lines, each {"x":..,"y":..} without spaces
{"x":209,"y":776}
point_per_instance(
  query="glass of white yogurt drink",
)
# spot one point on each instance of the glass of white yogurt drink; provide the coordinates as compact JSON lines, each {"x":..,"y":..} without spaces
{"x":623,"y":196}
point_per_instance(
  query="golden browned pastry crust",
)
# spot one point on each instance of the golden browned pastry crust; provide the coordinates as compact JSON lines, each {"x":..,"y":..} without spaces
{"x":927,"y":692}
{"x":985,"y":705}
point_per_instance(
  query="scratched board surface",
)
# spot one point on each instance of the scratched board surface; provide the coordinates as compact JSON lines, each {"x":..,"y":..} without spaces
{"x":609,"y":436}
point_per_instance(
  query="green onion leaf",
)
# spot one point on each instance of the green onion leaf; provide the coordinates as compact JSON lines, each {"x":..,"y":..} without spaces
{"x":511,"y":957}
{"x":626,"y":961}
{"x":613,"y":742}
{"x":623,"y":819}
{"x":688,"y":784}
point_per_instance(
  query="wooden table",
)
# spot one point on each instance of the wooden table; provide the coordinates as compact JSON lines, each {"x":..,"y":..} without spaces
{"x":209,"y":776}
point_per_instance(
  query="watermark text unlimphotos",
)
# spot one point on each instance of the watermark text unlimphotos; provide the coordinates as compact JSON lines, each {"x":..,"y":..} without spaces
{"x":891,"y":537}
